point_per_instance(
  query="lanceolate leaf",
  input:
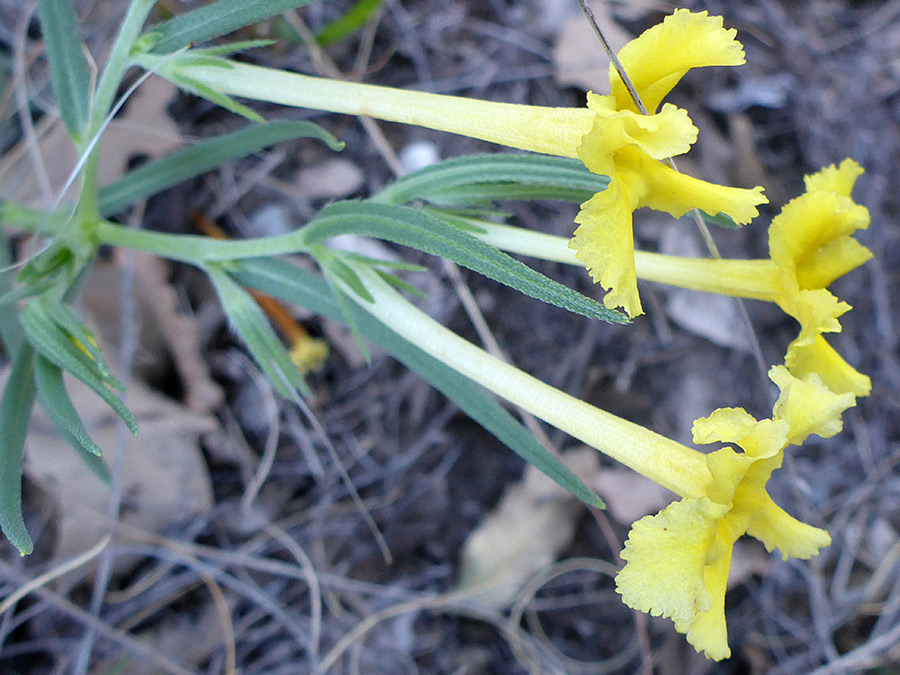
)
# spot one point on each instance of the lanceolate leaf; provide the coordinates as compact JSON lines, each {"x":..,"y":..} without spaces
{"x":219,"y":18}
{"x":478,"y":179}
{"x":58,"y":347}
{"x":55,"y":399}
{"x":415,"y":228}
{"x":69,"y":71}
{"x":221,"y":100}
{"x":187,"y":163}
{"x":291,"y":284}
{"x":254,"y":329}
{"x":10,"y":330}
{"x":15,"y":413}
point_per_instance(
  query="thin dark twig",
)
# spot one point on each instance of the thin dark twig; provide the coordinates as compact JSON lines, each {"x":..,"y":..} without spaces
{"x":617,"y":64}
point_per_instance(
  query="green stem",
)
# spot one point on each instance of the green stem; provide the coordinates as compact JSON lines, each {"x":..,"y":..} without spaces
{"x":197,"y":249}
{"x":751,"y":279}
{"x":118,"y":62}
{"x":30,"y":219}
{"x":672,"y":465}
{"x":554,"y":131}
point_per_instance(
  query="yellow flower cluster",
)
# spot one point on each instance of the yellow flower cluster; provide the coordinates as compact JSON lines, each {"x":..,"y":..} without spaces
{"x":810,"y":245}
{"x":678,"y":560}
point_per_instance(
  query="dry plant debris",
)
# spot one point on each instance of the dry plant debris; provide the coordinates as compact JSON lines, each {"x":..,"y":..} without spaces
{"x":821,"y":83}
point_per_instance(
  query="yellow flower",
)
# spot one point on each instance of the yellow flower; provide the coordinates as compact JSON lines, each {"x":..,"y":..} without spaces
{"x":609,"y":136}
{"x":627,"y":147}
{"x":811,"y":244}
{"x":678,"y":560}
{"x":811,"y":241}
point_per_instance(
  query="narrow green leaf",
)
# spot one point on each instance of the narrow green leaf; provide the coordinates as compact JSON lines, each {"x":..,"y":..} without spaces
{"x":420,"y":230}
{"x":184,"y":164}
{"x":486,"y":193}
{"x":57,"y":260}
{"x":382,"y":263}
{"x":20,"y":293}
{"x":348,"y":23}
{"x":232,"y":48}
{"x":58,"y":347}
{"x":345,"y":309}
{"x":69,"y":70}
{"x":55,"y":400}
{"x":219,"y":18}
{"x":251,"y":325}
{"x":292,"y":284}
{"x":201,"y":57}
{"x":10,"y":331}
{"x":222,"y":100}
{"x":15,"y":414}
{"x":478,"y":179}
{"x":68,"y":319}
{"x":334,"y":265}
{"x":397,"y":282}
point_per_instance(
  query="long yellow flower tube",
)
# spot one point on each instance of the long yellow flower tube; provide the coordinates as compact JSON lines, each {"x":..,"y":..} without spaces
{"x":551,"y":131}
{"x":609,"y":136}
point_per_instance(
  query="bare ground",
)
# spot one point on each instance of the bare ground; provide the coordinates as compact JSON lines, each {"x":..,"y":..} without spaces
{"x":277,"y":582}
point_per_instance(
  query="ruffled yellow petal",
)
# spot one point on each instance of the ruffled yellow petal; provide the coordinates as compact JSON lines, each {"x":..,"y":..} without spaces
{"x":724,"y":424}
{"x":668,"y":133}
{"x":605,"y":244}
{"x":728,"y":469}
{"x":831,"y":261}
{"x":707,"y":631}
{"x":808,"y":406}
{"x":759,"y":439}
{"x":812,"y":238}
{"x":665,"y":559}
{"x":619,"y":145}
{"x":752,"y":510}
{"x":840,"y":179}
{"x":657,"y":59}
{"x":775,"y":528}
{"x":678,"y":560}
{"x":817,"y":356}
{"x":677,"y":193}
{"x":817,"y":311}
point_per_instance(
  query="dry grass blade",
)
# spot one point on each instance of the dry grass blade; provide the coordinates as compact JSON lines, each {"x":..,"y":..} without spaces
{"x":55,"y":573}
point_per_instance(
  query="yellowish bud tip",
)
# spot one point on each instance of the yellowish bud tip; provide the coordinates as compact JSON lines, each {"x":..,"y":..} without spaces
{"x":308,"y":354}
